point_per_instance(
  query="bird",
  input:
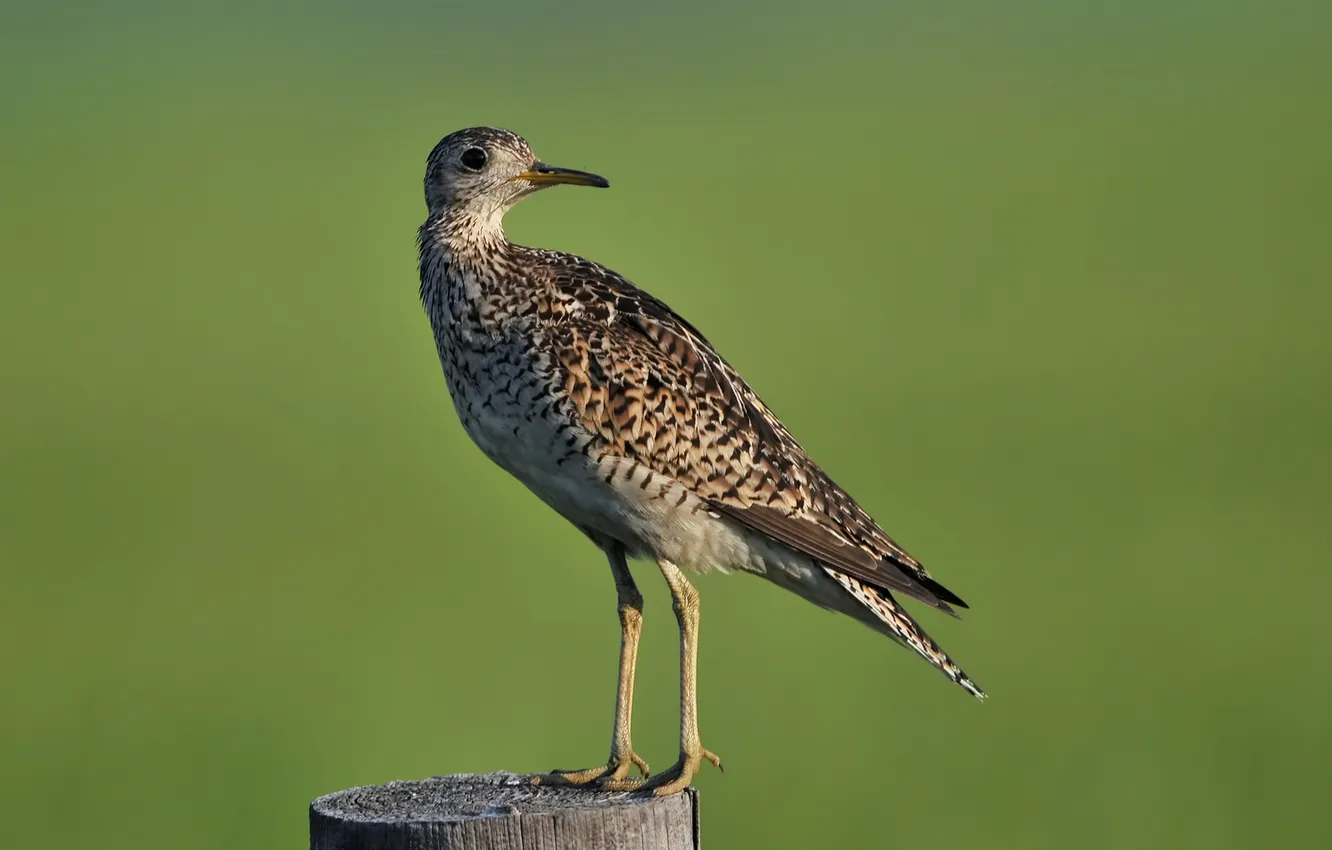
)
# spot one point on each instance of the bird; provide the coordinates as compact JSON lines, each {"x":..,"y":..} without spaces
{"x":618,"y":414}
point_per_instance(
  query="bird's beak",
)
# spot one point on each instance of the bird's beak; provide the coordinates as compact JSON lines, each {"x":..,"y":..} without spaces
{"x":541,"y":174}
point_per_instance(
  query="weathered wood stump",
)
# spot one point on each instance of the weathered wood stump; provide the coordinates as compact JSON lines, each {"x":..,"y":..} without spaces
{"x":500,"y":811}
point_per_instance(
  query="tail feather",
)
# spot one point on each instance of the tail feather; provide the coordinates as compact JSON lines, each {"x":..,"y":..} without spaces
{"x":898,"y":624}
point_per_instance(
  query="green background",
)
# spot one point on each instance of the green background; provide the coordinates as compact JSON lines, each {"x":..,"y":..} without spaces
{"x":1045,"y":286}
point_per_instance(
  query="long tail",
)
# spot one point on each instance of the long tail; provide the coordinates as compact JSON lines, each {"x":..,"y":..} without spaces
{"x":899,"y":625}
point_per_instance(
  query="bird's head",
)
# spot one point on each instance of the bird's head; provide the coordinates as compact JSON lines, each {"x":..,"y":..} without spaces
{"x":483,"y":171}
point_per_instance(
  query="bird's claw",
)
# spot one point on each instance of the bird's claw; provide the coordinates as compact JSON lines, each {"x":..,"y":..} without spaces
{"x":672,"y":780}
{"x":616,"y":769}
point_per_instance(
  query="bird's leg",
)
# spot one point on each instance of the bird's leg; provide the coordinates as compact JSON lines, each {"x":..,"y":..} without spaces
{"x":684,"y":599}
{"x":622,"y":755}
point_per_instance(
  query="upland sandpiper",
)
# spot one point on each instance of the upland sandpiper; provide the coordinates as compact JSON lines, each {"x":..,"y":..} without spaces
{"x":618,"y":414}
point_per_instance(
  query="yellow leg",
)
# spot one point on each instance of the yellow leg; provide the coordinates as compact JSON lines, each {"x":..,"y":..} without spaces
{"x":622,"y":755}
{"x":684,"y":599}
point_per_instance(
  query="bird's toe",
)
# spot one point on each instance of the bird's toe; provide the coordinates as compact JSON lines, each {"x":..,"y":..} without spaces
{"x":616,"y":769}
{"x":672,"y":780}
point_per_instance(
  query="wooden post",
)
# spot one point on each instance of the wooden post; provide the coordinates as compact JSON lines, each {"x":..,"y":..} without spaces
{"x":500,"y":811}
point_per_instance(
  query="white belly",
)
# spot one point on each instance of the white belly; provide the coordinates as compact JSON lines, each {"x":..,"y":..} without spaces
{"x":652,"y":515}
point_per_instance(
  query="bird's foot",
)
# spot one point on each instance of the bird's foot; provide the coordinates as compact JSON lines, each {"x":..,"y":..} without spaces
{"x":672,"y":780}
{"x":616,"y":769}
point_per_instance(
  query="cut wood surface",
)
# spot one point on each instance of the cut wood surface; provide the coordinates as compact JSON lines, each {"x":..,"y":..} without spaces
{"x":500,"y":811}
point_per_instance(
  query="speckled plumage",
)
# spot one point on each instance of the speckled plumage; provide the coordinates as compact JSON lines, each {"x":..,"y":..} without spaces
{"x":623,"y":418}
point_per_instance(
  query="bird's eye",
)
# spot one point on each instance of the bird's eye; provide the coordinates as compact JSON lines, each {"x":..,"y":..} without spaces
{"x":473,"y":159}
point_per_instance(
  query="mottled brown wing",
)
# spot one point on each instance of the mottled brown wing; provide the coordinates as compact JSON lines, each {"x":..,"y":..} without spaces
{"x":657,"y":392}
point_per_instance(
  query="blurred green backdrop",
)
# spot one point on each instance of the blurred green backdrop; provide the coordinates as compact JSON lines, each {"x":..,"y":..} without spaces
{"x":1046,"y":286}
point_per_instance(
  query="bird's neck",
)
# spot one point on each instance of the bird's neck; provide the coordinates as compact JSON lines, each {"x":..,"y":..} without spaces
{"x":470,"y":237}
{"x":466,"y":265}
